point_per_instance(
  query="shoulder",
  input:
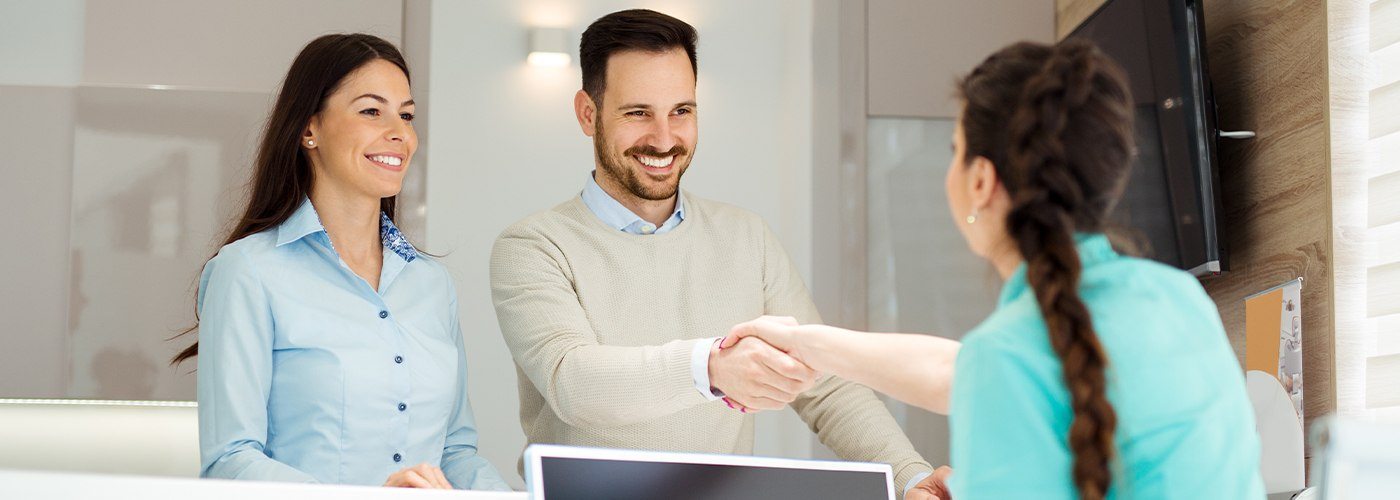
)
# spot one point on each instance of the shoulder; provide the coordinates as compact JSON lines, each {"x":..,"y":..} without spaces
{"x":540,"y":224}
{"x":1000,"y":358}
{"x":541,"y":236}
{"x":1014,"y":325}
{"x":721,"y":213}
{"x":246,"y":253}
{"x":1133,"y":278}
{"x":430,"y":266}
{"x":1011,"y":347}
{"x":238,"y":265}
{"x":1139,"y":270}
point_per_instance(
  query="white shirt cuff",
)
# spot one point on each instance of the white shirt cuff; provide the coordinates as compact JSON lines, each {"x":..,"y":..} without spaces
{"x":913,"y":481}
{"x":700,"y":368}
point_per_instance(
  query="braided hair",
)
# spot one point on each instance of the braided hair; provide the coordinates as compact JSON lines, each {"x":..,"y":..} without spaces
{"x":1056,"y":123}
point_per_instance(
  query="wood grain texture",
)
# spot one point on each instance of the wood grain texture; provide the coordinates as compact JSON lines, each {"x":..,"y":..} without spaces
{"x":1348,"y":48}
{"x":1269,"y":63}
{"x":1069,"y":13}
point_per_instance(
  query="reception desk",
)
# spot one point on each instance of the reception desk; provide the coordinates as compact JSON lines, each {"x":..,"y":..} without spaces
{"x":35,"y":485}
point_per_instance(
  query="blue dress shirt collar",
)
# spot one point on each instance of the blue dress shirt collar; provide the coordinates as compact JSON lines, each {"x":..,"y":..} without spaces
{"x":619,"y":217}
{"x":305,"y":222}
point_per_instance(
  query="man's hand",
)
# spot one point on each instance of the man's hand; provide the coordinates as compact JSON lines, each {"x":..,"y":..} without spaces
{"x":419,"y":476}
{"x":933,"y":487}
{"x":756,"y":376}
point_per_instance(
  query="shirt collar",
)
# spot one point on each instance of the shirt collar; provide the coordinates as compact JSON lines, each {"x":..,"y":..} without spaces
{"x":302,"y":223}
{"x":1093,"y":248}
{"x":612,"y":212}
{"x":305,"y":222}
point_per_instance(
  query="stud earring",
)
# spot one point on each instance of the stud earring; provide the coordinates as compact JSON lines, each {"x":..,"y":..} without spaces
{"x":971,"y":218}
{"x":310,"y":143}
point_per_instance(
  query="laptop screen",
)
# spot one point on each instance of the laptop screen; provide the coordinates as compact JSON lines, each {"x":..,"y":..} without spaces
{"x":618,"y":476}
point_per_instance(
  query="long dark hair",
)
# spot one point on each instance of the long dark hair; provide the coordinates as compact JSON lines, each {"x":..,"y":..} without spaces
{"x":282,"y":173}
{"x":1056,"y":121}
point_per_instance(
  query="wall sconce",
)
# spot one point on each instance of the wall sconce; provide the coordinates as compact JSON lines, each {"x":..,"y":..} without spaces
{"x":549,"y":47}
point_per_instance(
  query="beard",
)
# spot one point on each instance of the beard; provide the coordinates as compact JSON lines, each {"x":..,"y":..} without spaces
{"x":620,"y":168}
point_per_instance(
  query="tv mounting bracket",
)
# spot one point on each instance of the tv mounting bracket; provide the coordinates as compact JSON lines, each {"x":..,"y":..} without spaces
{"x":1236,"y":134}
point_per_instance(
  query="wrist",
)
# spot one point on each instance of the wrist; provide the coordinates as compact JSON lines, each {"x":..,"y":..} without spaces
{"x":809,"y":342}
{"x":712,"y":365}
{"x":700,"y":368}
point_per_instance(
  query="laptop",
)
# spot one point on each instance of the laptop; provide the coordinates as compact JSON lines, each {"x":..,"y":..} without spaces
{"x":577,"y":473}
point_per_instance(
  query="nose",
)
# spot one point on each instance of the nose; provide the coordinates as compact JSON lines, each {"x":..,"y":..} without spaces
{"x":399,"y":131}
{"x":662,"y":139}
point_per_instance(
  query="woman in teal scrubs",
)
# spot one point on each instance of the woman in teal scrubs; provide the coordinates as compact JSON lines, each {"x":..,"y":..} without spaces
{"x":1098,"y":375}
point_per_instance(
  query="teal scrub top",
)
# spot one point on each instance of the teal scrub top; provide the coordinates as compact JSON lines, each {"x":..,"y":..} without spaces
{"x":1185,"y":425}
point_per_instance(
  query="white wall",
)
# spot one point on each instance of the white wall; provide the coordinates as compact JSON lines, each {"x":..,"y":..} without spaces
{"x":40,"y":62}
{"x":502,"y":143}
{"x":41,"y":43}
{"x":139,"y":122}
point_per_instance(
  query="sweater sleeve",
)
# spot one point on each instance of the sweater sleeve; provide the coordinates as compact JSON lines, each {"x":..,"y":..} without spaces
{"x":586,"y":384}
{"x":846,"y":416}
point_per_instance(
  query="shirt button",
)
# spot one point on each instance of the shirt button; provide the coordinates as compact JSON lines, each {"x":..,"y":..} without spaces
{"x":383,"y":314}
{"x":398,"y":359}
{"x":403,"y":406}
{"x":398,"y":457}
{"x":648,"y":229}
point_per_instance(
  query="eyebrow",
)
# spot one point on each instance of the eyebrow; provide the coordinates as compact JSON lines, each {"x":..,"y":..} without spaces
{"x":381,"y":99}
{"x":648,"y":106}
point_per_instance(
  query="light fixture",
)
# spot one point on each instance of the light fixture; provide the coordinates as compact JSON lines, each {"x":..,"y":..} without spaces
{"x":549,"y":47}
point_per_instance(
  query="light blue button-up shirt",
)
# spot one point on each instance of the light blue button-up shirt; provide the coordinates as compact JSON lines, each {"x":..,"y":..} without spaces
{"x":306,"y":373}
{"x":1185,"y":426}
{"x":615,"y":214}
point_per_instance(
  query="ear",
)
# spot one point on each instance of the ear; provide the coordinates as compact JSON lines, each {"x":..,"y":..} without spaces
{"x":586,"y":112}
{"x":311,"y":132}
{"x":982,"y":182}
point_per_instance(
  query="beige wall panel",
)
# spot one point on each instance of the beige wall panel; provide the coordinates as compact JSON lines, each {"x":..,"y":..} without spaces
{"x":917,"y":48}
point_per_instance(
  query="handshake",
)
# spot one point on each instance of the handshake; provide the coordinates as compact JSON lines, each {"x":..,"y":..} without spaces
{"x":756,"y":369}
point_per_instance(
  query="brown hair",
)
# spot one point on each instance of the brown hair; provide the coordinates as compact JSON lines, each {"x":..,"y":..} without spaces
{"x":1056,"y":122}
{"x":282,"y":173}
{"x":635,"y":29}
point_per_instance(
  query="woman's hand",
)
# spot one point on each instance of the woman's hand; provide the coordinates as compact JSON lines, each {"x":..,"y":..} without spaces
{"x":419,"y":476}
{"x":778,"y":331}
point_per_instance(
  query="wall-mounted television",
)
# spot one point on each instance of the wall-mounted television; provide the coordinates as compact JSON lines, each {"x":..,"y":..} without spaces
{"x":1172,"y":200}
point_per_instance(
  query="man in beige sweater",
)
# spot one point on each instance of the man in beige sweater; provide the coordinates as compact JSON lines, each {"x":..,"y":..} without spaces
{"x":612,"y":302}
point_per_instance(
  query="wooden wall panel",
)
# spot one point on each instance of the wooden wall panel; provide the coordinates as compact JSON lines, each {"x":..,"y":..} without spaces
{"x":1268,"y":60}
{"x":1069,"y":13}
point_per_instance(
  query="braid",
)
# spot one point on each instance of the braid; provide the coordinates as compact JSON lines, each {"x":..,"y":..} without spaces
{"x":1048,"y":205}
{"x":1043,"y":230}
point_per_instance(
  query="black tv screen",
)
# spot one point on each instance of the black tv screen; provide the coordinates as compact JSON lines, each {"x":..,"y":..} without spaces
{"x":1172,"y":199}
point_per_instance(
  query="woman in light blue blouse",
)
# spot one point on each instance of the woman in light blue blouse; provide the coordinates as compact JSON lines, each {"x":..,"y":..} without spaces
{"x":1098,"y":375}
{"x":329,"y":348}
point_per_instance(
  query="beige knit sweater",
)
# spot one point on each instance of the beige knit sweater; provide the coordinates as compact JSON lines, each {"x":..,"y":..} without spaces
{"x":601,"y":324}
